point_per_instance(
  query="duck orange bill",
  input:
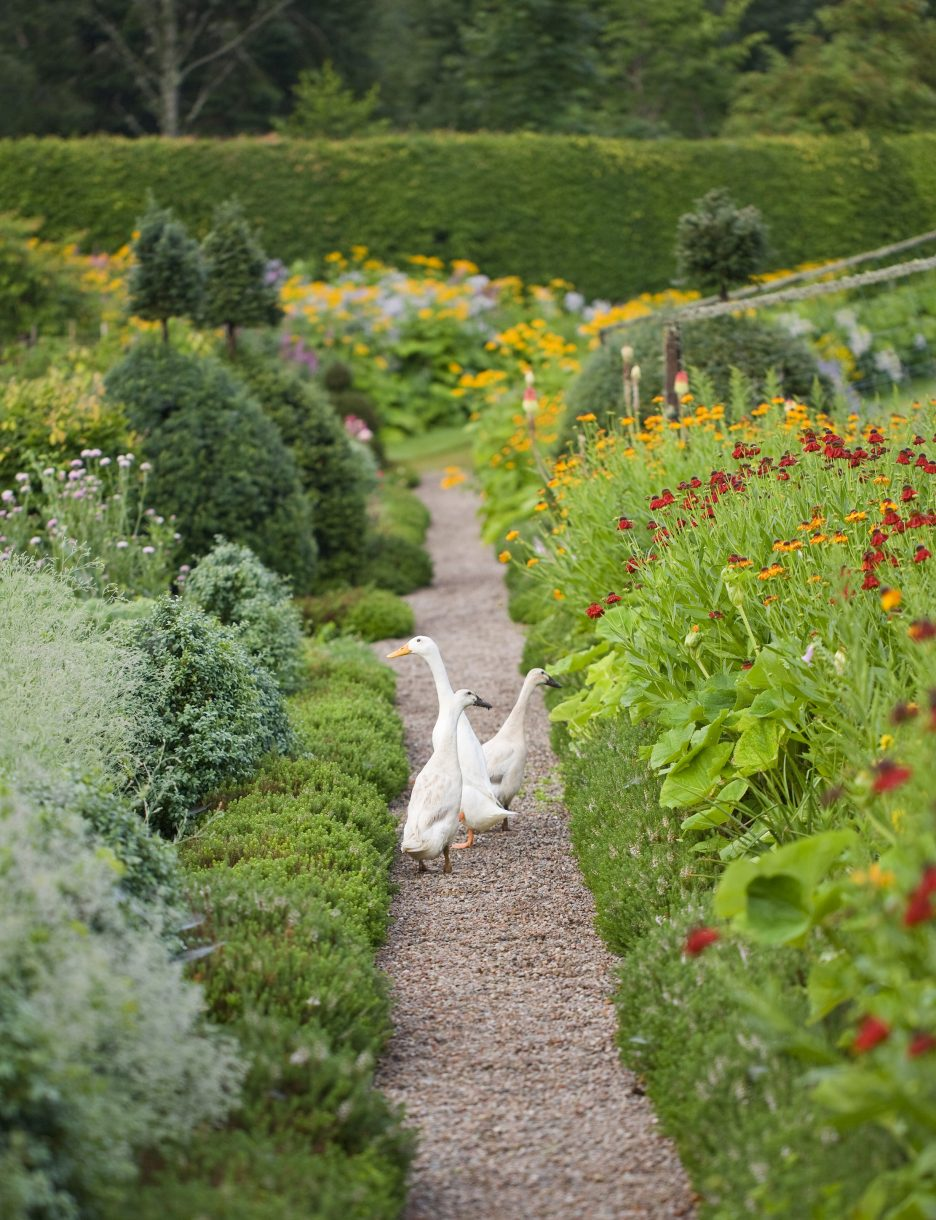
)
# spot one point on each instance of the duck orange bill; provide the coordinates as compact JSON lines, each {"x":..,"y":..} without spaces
{"x":403,"y":651}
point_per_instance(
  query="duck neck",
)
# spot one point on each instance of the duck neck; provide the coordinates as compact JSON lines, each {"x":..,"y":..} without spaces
{"x":443,"y":686}
{"x":444,"y":738}
{"x":518,"y":711}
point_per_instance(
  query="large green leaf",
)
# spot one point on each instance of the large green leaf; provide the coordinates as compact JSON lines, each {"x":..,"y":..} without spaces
{"x":758,"y":747}
{"x":832,"y":981}
{"x":691,"y":783}
{"x":574,"y":661}
{"x":671,"y":745}
{"x":777,"y":909}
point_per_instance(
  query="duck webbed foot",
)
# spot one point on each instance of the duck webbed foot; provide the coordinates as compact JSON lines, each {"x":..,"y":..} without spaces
{"x":469,"y":842}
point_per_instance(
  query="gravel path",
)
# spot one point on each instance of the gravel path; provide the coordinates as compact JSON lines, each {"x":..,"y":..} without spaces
{"x":504,"y":1049}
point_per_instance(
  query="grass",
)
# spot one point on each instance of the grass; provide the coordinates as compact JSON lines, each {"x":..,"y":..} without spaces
{"x":433,"y":450}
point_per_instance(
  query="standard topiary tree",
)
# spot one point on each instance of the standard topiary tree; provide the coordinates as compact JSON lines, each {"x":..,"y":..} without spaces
{"x":720,"y":245}
{"x":238,"y":290}
{"x":219,"y":463}
{"x":168,"y":276}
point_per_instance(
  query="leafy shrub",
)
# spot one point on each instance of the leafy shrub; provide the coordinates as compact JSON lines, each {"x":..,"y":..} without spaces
{"x":148,"y":869}
{"x":53,"y":417}
{"x":396,"y":564}
{"x":220,"y":465}
{"x":231,"y":583}
{"x":372,"y":614}
{"x":283,"y":952}
{"x":346,"y":663}
{"x":349,"y":799}
{"x":67,"y":685}
{"x":712,"y":346}
{"x":207,"y":713}
{"x":38,"y":288}
{"x":397,"y":510}
{"x":104,"y":1053}
{"x":361,"y":734}
{"x":331,"y":466}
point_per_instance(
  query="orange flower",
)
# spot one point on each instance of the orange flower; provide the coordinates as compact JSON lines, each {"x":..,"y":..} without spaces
{"x":890,"y":599}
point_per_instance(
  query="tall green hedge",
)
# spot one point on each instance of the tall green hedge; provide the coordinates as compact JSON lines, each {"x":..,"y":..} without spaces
{"x":601,"y":213}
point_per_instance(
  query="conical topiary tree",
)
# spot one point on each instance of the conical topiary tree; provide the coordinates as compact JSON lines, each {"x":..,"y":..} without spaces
{"x":168,"y":277}
{"x":237,"y":289}
{"x":720,"y":245}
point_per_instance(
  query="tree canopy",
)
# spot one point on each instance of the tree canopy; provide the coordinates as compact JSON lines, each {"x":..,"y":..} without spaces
{"x":646,"y":68}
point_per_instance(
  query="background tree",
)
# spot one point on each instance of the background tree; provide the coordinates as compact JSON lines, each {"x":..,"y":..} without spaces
{"x":720,"y":245}
{"x":178,"y":52}
{"x":670,"y":65}
{"x":238,"y":289}
{"x":860,"y":64}
{"x":168,"y":277}
{"x":324,"y":106}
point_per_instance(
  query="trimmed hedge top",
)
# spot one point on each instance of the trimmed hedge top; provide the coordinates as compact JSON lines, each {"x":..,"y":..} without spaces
{"x":599,"y":212}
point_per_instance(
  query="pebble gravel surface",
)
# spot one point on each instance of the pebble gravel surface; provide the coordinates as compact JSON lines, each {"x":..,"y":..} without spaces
{"x":504,"y":1051}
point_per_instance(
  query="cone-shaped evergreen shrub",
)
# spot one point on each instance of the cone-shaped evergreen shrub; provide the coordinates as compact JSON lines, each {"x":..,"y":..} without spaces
{"x":720,"y":245}
{"x":334,"y":473}
{"x":238,"y":291}
{"x":168,"y":277}
{"x":220,"y":464}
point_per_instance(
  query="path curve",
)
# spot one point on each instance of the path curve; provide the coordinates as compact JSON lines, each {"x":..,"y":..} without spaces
{"x":504,"y":1049}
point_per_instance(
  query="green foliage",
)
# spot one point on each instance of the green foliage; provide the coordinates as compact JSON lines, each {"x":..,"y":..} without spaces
{"x":355,"y":730}
{"x":711,"y":349}
{"x":67,"y":683}
{"x":589,"y":198}
{"x":323,"y":106}
{"x":719,"y":245}
{"x":395,"y":563}
{"x":53,"y":417}
{"x":219,"y":464}
{"x":231,"y":583}
{"x":372,"y":614}
{"x":104,"y":1050}
{"x":38,"y":290}
{"x":331,"y":467}
{"x":238,"y":290}
{"x":206,"y":712}
{"x":167,"y":279}
{"x":859,"y":64}
{"x":398,"y":510}
{"x":346,"y":662}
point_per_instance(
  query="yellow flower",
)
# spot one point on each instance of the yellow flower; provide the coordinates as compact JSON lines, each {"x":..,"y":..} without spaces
{"x":856,"y":516}
{"x":512,"y":535}
{"x":504,"y":556}
{"x":891,"y":599}
{"x":814,"y":580}
{"x":897,"y":816}
{"x":588,"y":418}
{"x":558,"y":595}
{"x":541,"y":507}
{"x":531,"y":561}
{"x":887,"y":740}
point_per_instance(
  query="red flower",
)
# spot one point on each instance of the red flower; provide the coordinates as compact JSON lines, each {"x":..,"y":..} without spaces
{"x":921,"y":554}
{"x":875,"y":438}
{"x":612,"y":598}
{"x":878,"y":538}
{"x":783,"y":477}
{"x":870,"y":581}
{"x":715,"y":614}
{"x":871,"y":1031}
{"x":908,"y":493}
{"x":921,"y":1045}
{"x":625,"y":524}
{"x":921,"y":629}
{"x":747,"y":664}
{"x":918,"y":440}
{"x":904,"y":457}
{"x":904,"y":712}
{"x":595,"y":610}
{"x":663,"y":500}
{"x":919,"y":908}
{"x":632,"y":564}
{"x":889,"y":776}
{"x":699,"y":940}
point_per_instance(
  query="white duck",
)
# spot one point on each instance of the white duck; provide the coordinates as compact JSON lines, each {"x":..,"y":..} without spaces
{"x":480,"y":806}
{"x":432,"y":817}
{"x":505,"y":753}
